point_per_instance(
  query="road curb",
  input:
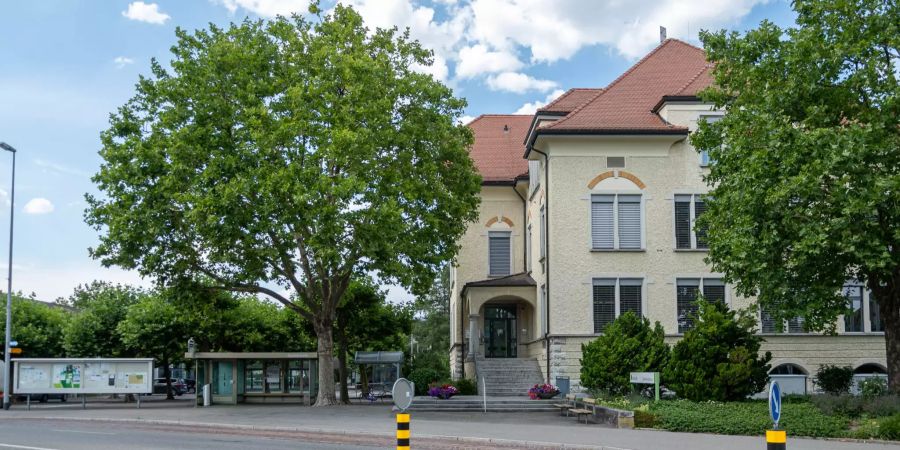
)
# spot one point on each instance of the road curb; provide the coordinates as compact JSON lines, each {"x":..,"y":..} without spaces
{"x":321,"y":431}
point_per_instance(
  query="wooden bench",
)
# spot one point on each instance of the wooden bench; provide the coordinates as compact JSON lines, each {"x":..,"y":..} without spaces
{"x":579,"y":412}
{"x":564,"y":407}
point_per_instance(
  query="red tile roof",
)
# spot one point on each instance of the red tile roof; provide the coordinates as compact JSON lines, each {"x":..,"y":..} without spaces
{"x":497,"y":151}
{"x":701,"y":81}
{"x":626,"y":105}
{"x":570,"y":100}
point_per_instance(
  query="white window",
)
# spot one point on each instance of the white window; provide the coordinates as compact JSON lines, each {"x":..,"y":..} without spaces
{"x":534,"y":175}
{"x":688,"y":208}
{"x":499,"y":253}
{"x":688,"y":290}
{"x":528,"y":249}
{"x":704,"y":155}
{"x":616,"y":222}
{"x":613,"y":297}
{"x":862,"y":304}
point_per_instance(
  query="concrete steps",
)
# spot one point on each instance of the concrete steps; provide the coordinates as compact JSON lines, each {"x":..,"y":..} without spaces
{"x":508,"y":377}
{"x":472,"y":403}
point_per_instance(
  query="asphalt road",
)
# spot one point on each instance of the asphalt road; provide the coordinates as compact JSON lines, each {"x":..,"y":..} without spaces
{"x":50,"y":435}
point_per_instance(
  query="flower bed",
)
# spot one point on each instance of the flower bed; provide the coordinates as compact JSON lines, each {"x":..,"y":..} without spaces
{"x":543,"y":391}
{"x":442,"y":391}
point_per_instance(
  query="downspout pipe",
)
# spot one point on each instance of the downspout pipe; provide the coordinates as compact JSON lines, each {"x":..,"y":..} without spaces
{"x":524,"y":226}
{"x":547,"y":256}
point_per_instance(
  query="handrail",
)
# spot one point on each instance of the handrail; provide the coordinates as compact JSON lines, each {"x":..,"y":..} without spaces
{"x":484,"y":392}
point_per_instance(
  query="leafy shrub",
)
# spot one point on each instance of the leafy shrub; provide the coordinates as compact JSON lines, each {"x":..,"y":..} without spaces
{"x":839,"y":405}
{"x":834,"y":380}
{"x":886,"y":405}
{"x":644,"y":419}
{"x":719,"y":358}
{"x":627,"y":345}
{"x":747,"y":418}
{"x":889,"y":428}
{"x":466,"y":386}
{"x":424,"y":376}
{"x":873,"y":387}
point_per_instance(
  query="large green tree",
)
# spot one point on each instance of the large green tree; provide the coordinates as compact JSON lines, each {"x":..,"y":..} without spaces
{"x":285,"y":158}
{"x":98,"y":309}
{"x":38,"y":327}
{"x":805,"y":188}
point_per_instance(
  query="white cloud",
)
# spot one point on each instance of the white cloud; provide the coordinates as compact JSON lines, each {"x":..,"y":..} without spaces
{"x":146,"y":12}
{"x":60,"y":168}
{"x":38,"y":205}
{"x":267,"y":8}
{"x":478,"y":59}
{"x":464,"y":120}
{"x":532,"y":107}
{"x":518,"y":83}
{"x":122,"y":61}
{"x":4,"y":196}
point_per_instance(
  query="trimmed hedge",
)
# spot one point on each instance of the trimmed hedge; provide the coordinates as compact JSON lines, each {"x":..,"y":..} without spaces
{"x":745,"y":418}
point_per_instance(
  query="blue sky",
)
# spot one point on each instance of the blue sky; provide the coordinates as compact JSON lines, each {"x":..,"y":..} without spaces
{"x":67,"y":64}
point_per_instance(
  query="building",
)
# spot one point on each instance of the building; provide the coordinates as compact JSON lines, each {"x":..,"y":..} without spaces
{"x":587,"y":212}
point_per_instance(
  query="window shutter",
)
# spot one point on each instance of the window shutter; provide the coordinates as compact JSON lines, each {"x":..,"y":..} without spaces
{"x":767,"y":323}
{"x":630,"y":296}
{"x":796,"y":325}
{"x":682,"y":221}
{"x":602,"y":222}
{"x":700,"y":208}
{"x":604,"y":303}
{"x":499,"y":253}
{"x":534,"y":175}
{"x":686,"y":296}
{"x":714,"y":290}
{"x":630,"y":221}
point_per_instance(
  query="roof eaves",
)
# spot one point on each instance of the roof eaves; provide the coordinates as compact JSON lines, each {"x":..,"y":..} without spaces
{"x":674,"y":98}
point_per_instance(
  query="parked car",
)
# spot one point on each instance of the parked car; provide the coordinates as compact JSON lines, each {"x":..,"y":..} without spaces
{"x":191,"y":384}
{"x":178,"y":387}
{"x":41,"y":398}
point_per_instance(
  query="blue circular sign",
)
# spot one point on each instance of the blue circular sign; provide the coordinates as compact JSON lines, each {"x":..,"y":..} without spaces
{"x":775,"y":402}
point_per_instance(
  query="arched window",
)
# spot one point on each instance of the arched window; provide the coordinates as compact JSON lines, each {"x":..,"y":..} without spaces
{"x":787,"y":369}
{"x":870,"y":368}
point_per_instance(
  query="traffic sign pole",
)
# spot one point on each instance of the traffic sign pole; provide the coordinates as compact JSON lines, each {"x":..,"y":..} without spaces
{"x":775,"y":439}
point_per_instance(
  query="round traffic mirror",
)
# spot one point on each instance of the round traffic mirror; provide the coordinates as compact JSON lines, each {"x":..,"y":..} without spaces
{"x":403,"y":393}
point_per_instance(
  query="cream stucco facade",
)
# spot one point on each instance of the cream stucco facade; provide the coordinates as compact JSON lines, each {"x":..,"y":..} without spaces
{"x":552,"y":327}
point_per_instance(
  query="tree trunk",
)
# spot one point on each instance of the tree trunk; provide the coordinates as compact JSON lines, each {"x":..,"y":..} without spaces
{"x":167,"y":373}
{"x":342,"y":362}
{"x":364,"y":379}
{"x":889,"y":307}
{"x":325,"y":350}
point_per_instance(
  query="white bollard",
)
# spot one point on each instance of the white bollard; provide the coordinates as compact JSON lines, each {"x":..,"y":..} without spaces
{"x":206,"y":395}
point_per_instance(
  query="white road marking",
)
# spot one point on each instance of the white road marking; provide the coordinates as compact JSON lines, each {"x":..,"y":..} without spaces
{"x":25,"y":447}
{"x":84,"y":432}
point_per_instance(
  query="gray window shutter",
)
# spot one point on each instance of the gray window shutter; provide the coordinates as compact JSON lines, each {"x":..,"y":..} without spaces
{"x":682,"y":221}
{"x":686,"y":298}
{"x":630,"y":221}
{"x":714,"y":290}
{"x":630,"y":296}
{"x":700,"y":208}
{"x":796,"y":325}
{"x":602,"y":222}
{"x":499,"y":253}
{"x":767,"y":323}
{"x":604,"y":303}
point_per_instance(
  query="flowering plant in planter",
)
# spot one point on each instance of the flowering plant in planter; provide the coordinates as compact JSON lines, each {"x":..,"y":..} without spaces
{"x":543,"y":391}
{"x":442,"y":391}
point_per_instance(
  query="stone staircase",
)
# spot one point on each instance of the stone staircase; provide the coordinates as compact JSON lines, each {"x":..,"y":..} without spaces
{"x":473,"y":403}
{"x":508,"y":377}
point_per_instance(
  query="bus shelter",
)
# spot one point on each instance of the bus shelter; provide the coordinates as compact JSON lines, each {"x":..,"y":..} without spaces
{"x":385,"y":368}
{"x":256,"y":377}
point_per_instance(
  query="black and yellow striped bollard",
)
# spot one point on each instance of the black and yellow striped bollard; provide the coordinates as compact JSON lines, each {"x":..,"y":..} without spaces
{"x":402,"y":431}
{"x":776,"y":440}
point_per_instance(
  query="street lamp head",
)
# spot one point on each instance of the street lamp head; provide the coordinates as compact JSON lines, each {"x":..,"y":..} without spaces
{"x":7,"y":147}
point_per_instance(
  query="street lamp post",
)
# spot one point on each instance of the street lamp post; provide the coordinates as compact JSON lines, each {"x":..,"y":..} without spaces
{"x":7,"y":379}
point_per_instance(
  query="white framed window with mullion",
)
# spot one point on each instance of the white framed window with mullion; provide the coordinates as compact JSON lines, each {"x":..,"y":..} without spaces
{"x":612,"y":297}
{"x":617,"y":221}
{"x":688,"y":290}
{"x":689,"y":207}
{"x":499,"y":253}
{"x":862,"y":307}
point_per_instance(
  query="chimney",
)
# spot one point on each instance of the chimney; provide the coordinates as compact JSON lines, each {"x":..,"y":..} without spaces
{"x":662,"y":34}
{"x":506,"y":128}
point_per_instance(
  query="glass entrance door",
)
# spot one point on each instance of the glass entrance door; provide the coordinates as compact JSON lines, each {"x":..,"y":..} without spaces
{"x":223,"y":378}
{"x":500,"y":331}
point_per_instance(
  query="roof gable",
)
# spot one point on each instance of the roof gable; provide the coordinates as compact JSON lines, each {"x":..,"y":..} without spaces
{"x":497,"y":151}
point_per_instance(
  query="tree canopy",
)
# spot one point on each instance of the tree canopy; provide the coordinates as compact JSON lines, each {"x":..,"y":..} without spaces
{"x":805,"y":184}
{"x":292,"y":153}
{"x":98,"y":309}
{"x":38,"y":327}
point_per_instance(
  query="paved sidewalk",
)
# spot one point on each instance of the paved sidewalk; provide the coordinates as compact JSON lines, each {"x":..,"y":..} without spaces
{"x":378,"y":420}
